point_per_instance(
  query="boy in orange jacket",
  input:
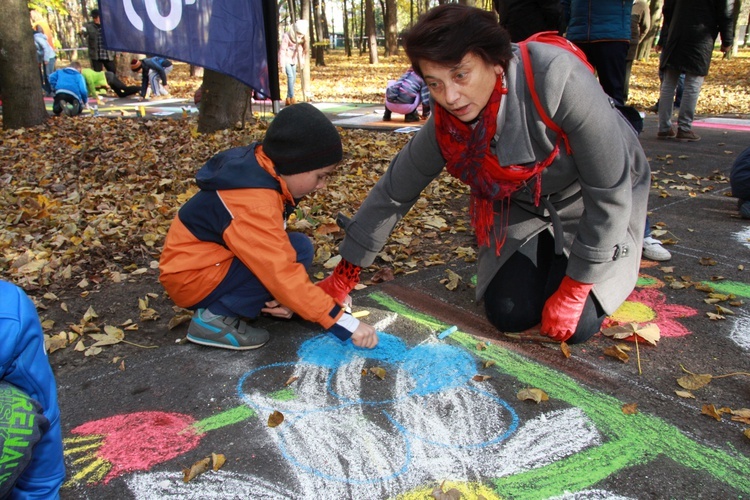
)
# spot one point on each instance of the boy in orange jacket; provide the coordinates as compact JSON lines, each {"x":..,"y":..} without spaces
{"x":228,"y":255}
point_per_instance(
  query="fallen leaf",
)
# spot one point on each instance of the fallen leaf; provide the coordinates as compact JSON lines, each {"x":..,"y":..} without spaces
{"x":383,"y":275}
{"x":565,"y":349}
{"x":378,"y":372}
{"x":179,"y":318}
{"x":89,"y":315}
{"x":217,"y":461}
{"x":533,"y":394}
{"x":707,"y":261}
{"x":710,"y":410}
{"x":480,"y":378}
{"x":196,"y":469}
{"x":685,"y":394}
{"x":290,"y":381}
{"x":481,"y":346}
{"x":488,"y":363}
{"x":617,"y":352}
{"x":630,"y":408}
{"x":275,"y":419}
{"x":694,"y":381}
{"x":453,"y":280}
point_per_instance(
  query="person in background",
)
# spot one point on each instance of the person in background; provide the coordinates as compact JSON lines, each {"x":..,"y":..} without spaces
{"x":687,"y":40}
{"x":640,"y":23}
{"x":601,"y":28}
{"x":46,"y":57}
{"x":154,"y":71}
{"x":293,"y":55}
{"x":523,"y":18}
{"x":38,"y":22}
{"x":100,"y":57}
{"x":227,"y":254}
{"x":71,"y":94}
{"x":739,"y":179}
{"x":31,"y":447}
{"x":98,"y":82}
{"x":404,"y":95}
{"x":559,"y":219}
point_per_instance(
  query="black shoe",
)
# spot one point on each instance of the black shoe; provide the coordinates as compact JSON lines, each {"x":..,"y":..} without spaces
{"x":387,"y":115}
{"x":412,"y":117}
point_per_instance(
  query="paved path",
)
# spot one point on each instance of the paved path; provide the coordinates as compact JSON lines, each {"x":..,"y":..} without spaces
{"x":446,"y":412}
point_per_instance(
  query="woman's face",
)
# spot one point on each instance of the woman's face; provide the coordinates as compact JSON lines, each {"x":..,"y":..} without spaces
{"x":464,"y":89}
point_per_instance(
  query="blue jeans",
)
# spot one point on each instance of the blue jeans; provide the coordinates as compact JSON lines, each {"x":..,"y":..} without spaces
{"x":291,"y":76}
{"x":691,"y":90}
{"x":241,"y":293}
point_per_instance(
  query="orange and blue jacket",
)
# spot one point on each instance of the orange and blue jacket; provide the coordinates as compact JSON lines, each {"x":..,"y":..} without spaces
{"x":240,"y":211}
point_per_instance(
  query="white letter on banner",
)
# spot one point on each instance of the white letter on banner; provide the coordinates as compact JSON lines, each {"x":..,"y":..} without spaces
{"x":133,"y":16}
{"x":165,"y":23}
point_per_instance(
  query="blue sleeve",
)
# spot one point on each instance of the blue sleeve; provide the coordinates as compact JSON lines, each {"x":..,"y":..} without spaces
{"x":24,"y":363}
{"x":53,"y":80}
{"x":83,"y":90}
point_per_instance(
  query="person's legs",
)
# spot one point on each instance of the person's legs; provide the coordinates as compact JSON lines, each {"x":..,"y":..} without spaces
{"x":109,"y":65}
{"x":291,"y":76}
{"x":516,"y":296}
{"x":680,"y":89}
{"x":608,"y":58}
{"x":666,"y":102}
{"x":96,"y":64}
{"x":652,"y":248}
{"x":692,"y":89}
{"x":119,"y":87}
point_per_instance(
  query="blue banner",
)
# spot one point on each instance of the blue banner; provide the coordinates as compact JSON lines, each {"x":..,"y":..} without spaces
{"x":226,"y":36}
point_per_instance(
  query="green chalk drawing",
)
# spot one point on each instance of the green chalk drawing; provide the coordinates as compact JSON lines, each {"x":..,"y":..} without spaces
{"x":283,"y":395}
{"x":735,"y":287}
{"x":228,"y":417}
{"x":629,"y":440}
{"x":644,"y":281}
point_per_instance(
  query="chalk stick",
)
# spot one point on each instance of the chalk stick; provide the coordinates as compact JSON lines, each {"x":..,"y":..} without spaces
{"x":360,"y":314}
{"x":447,"y":332}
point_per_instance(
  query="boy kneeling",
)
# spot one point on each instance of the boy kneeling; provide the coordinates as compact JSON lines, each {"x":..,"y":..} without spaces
{"x":228,"y":256}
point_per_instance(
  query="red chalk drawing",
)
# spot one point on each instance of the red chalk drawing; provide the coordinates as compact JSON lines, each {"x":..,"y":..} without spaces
{"x":136,"y":442}
{"x":649,"y":305}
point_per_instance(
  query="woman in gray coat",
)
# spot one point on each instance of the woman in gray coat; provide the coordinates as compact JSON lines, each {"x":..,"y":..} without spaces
{"x":559,"y":229}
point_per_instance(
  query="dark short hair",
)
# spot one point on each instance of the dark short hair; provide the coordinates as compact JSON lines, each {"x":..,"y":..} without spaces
{"x":447,"y":33}
{"x":94,"y":13}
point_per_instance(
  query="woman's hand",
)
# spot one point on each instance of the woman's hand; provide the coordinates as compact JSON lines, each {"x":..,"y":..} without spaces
{"x":275,"y":309}
{"x":563,"y":309}
{"x":365,"y":336}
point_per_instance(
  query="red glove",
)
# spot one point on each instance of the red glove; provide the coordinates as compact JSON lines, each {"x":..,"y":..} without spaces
{"x":563,"y":309}
{"x":342,"y":281}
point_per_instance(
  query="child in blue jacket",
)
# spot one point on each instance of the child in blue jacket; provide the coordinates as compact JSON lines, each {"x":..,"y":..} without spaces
{"x":31,"y":449}
{"x":71,"y":93}
{"x":154,"y":71}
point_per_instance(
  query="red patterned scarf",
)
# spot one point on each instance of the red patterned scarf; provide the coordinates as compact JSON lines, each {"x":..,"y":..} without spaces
{"x":469,"y":159}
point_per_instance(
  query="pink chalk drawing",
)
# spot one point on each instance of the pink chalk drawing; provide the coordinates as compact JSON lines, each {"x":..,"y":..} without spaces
{"x":134,"y":442}
{"x":649,"y":305}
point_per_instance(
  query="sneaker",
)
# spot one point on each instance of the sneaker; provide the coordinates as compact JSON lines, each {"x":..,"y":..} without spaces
{"x":225,"y":332}
{"x":652,"y":250}
{"x":687,"y":136}
{"x":745,"y":210}
{"x":412,"y":117}
{"x":669,"y":134}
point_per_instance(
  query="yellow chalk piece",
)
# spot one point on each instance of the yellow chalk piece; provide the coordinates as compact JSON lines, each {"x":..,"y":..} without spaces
{"x":142,"y":111}
{"x":360,"y":314}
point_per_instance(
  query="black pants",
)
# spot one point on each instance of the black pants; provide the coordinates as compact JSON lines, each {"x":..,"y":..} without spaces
{"x":516,"y":295}
{"x":608,"y":59}
{"x":60,"y":98}
{"x":119,"y":87}
{"x":98,"y":64}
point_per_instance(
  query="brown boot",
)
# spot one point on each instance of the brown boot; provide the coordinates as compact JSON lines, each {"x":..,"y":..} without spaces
{"x":288,"y":101}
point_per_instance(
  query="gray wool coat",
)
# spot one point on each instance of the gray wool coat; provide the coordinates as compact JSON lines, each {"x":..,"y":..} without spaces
{"x":600,"y":192}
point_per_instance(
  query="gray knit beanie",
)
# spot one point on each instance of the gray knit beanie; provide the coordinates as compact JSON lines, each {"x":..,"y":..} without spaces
{"x":300,"y":139}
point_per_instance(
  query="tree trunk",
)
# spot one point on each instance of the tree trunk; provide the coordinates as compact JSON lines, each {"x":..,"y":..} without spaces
{"x":347,"y":41}
{"x":305,"y":73}
{"x":20,"y":81}
{"x":644,"y":48}
{"x":224,"y":104}
{"x":196,"y":71}
{"x":391,"y":28}
{"x":371,"y":34}
{"x":320,"y":39}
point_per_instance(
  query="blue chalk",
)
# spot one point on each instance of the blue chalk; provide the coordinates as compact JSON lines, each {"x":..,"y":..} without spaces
{"x":447,"y":332}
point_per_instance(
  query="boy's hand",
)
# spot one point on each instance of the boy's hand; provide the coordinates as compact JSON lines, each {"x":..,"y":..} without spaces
{"x":275,"y":309}
{"x":365,"y":336}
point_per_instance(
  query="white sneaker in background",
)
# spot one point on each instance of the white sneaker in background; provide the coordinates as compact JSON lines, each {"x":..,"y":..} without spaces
{"x":653,"y":250}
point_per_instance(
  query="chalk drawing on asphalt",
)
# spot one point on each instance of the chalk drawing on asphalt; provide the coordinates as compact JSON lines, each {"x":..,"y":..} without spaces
{"x":424,"y":431}
{"x":740,"y":333}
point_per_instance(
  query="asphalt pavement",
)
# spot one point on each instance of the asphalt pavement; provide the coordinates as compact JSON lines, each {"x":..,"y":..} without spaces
{"x":425,"y":411}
